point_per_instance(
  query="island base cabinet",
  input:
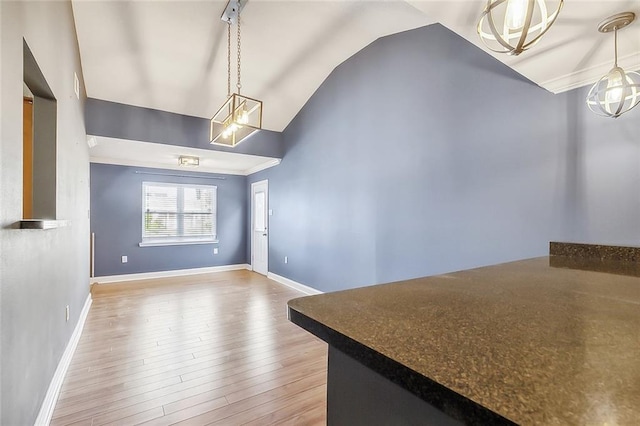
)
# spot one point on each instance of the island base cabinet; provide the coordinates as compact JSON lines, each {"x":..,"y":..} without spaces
{"x":356,"y":395}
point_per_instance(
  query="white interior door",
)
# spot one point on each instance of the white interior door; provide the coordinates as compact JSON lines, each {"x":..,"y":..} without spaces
{"x":260,"y":227}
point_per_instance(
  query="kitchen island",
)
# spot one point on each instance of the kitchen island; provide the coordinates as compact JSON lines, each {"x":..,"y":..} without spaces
{"x":551,"y":340}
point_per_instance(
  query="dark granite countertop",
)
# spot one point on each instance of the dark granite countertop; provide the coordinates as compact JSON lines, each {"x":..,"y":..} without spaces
{"x":524,"y":341}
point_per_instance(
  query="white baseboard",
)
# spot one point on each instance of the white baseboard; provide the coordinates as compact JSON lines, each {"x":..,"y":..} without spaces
{"x":166,"y":274}
{"x":50,"y":399}
{"x":293,"y":284}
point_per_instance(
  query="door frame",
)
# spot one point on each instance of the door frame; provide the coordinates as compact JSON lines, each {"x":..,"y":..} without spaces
{"x":251,"y":219}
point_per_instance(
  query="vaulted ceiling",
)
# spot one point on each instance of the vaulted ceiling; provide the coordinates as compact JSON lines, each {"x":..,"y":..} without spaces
{"x":171,"y":55}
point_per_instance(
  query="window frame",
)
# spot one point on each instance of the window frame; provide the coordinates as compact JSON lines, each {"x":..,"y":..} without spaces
{"x":179,"y":240}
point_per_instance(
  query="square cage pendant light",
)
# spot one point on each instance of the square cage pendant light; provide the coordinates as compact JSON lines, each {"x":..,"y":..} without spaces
{"x":239,"y":118}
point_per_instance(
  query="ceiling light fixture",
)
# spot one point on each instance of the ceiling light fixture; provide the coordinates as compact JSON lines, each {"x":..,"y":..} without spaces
{"x":186,"y":160}
{"x":513,"y":26}
{"x":618,"y":91}
{"x":240,"y":116}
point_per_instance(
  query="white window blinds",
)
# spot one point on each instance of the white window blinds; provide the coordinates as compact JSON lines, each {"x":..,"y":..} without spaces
{"x":178,"y":212}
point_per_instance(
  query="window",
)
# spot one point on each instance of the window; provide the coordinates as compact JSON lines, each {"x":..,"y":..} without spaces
{"x":178,"y":214}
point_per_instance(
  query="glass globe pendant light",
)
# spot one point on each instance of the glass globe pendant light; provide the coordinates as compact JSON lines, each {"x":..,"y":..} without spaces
{"x":618,"y":91}
{"x":513,"y":26}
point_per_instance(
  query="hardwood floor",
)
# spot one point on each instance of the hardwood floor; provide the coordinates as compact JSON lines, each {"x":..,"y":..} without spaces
{"x":203,"y":349}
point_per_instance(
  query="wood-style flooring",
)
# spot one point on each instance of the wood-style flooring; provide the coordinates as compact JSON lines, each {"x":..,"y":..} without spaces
{"x":202,"y":349}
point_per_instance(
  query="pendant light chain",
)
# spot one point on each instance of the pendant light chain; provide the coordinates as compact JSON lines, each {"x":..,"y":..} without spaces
{"x":228,"y":58}
{"x":239,"y":84}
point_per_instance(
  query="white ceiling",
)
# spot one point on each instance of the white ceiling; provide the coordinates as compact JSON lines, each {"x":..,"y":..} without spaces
{"x":145,"y":154}
{"x":572,"y":54}
{"x":171,"y":55}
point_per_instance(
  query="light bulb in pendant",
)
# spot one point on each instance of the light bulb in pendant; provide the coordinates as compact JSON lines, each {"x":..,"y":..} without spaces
{"x":244,"y":117}
{"x":615,"y":87}
{"x":516,"y":13}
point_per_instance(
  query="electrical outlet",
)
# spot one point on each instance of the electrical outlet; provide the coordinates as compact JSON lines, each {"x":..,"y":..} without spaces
{"x":124,"y":259}
{"x":270,"y":212}
{"x":215,"y":250}
{"x":286,"y":259}
{"x":66,"y":313}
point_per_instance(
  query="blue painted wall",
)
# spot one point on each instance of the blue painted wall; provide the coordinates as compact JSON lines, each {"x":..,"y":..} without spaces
{"x":116,"y":220}
{"x":422,"y":155}
{"x":114,"y":120}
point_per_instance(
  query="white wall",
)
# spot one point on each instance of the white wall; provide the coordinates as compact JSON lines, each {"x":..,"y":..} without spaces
{"x":41,"y":271}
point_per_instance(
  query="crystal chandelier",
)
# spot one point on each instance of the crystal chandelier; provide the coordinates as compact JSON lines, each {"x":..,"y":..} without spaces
{"x":618,"y":91}
{"x":513,"y":26}
{"x":240,"y":116}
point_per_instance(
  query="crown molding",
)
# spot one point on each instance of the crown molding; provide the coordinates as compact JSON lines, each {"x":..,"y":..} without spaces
{"x":589,"y":75}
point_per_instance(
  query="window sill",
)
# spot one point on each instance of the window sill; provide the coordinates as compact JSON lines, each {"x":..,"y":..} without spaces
{"x":160,"y":243}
